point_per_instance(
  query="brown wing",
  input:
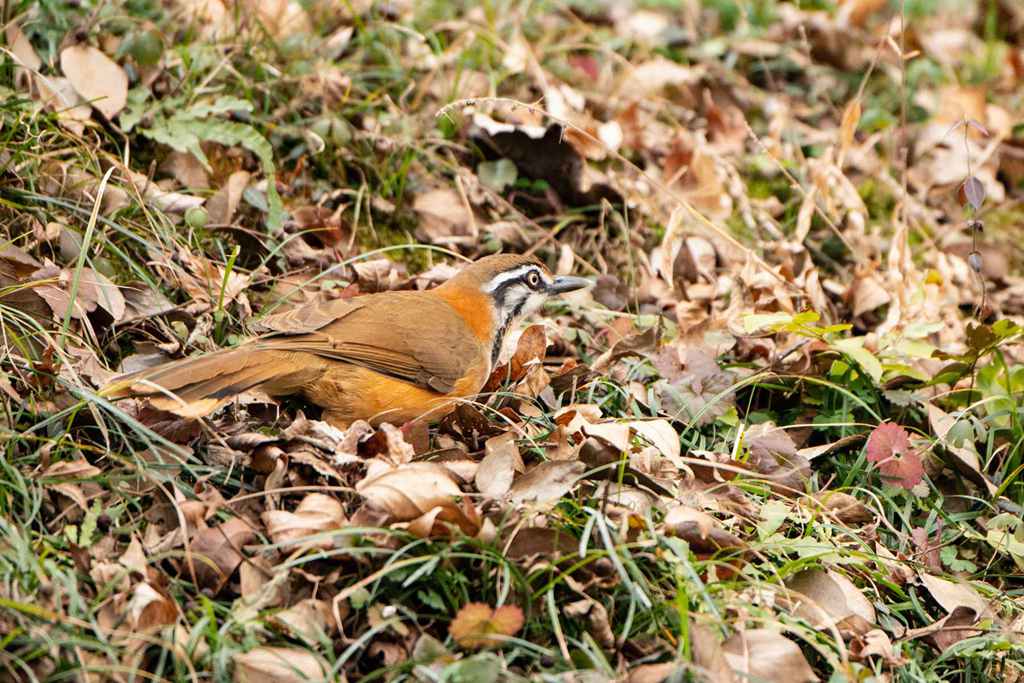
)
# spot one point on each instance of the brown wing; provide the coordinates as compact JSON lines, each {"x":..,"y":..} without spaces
{"x":309,"y":317}
{"x":411,"y":336}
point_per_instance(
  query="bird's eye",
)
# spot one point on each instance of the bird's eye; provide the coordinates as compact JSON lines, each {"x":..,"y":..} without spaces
{"x":533,"y":279}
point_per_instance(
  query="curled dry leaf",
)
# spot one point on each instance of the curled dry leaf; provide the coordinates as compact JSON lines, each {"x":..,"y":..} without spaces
{"x":529,"y":349}
{"x":316,"y":514}
{"x":221,"y":206}
{"x":546,"y":482}
{"x":828,"y":599}
{"x":477,"y":625}
{"x":950,"y":629}
{"x":498,"y":468}
{"x":702,"y":531}
{"x":768,"y":656}
{"x":662,"y":435}
{"x":309,"y":620}
{"x":280,"y":665}
{"x":842,"y":506}
{"x":964,"y":457}
{"x":94,"y":290}
{"x":217,"y":552}
{"x":708,"y":654}
{"x":444,"y":218}
{"x":96,"y":77}
{"x":875,"y":643}
{"x":64,"y":475}
{"x":773,"y":454}
{"x":597,"y":620}
{"x":953,"y":594}
{"x":150,"y":608}
{"x":411,"y":490}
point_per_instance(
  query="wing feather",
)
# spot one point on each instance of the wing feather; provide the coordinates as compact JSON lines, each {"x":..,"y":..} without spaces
{"x":406,"y":335}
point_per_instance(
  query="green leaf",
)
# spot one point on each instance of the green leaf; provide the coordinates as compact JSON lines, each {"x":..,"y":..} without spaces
{"x":951,"y":559}
{"x":1006,"y":534}
{"x":773,"y":514}
{"x":854,"y":349}
{"x":222,"y":105}
{"x":756,"y":321}
{"x":88,"y":528}
{"x":184,"y":133}
{"x":135,"y":108}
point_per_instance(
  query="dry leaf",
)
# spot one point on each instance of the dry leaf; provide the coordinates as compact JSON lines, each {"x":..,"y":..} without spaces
{"x":965,"y":459}
{"x":280,"y":665}
{"x":953,"y":594}
{"x":842,"y":506}
{"x":60,"y":96}
{"x":700,"y":530}
{"x":96,"y":77}
{"x":477,"y":625}
{"x":282,"y":18}
{"x":708,"y":654}
{"x":150,"y":608}
{"x":217,"y":552}
{"x":411,"y":490}
{"x":831,"y":601}
{"x":309,"y":620}
{"x":444,"y":218}
{"x":767,"y":656}
{"x":316,"y":514}
{"x":547,"y":482}
{"x":221,"y":207}
{"x":498,"y":468}
{"x":847,"y":128}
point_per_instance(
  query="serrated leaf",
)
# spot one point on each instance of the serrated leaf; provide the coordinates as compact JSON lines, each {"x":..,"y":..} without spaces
{"x":89,"y":524}
{"x":222,"y":105}
{"x":889,"y":448}
{"x":184,"y":133}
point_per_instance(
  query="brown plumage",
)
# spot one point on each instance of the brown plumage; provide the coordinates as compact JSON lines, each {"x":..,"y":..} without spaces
{"x":387,"y":357}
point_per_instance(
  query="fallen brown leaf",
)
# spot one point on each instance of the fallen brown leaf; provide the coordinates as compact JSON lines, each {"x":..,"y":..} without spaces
{"x":477,"y":625}
{"x":767,"y":655}
{"x":280,"y":665}
{"x":96,"y":77}
{"x":216,"y":552}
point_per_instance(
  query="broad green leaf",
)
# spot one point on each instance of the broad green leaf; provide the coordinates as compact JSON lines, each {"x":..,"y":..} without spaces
{"x":854,"y":349}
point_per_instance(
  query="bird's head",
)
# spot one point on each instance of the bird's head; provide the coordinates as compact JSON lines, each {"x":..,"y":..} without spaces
{"x":516,"y":286}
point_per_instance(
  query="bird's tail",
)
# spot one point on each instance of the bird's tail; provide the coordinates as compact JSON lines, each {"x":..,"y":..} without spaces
{"x":195,"y":387}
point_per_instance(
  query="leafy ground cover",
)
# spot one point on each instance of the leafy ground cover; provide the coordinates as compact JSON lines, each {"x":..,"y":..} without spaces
{"x":780,"y":440}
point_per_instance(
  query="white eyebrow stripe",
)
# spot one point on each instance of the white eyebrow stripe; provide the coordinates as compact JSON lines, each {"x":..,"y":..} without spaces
{"x":500,"y":279}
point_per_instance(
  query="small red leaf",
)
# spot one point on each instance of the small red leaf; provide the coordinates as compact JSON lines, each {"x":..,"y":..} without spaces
{"x":889,"y":448}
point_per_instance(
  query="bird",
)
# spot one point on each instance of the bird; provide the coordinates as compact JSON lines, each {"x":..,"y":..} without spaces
{"x":397,"y":356}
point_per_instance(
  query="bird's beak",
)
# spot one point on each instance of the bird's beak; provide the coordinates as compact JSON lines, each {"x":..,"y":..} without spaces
{"x":567,"y":283}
